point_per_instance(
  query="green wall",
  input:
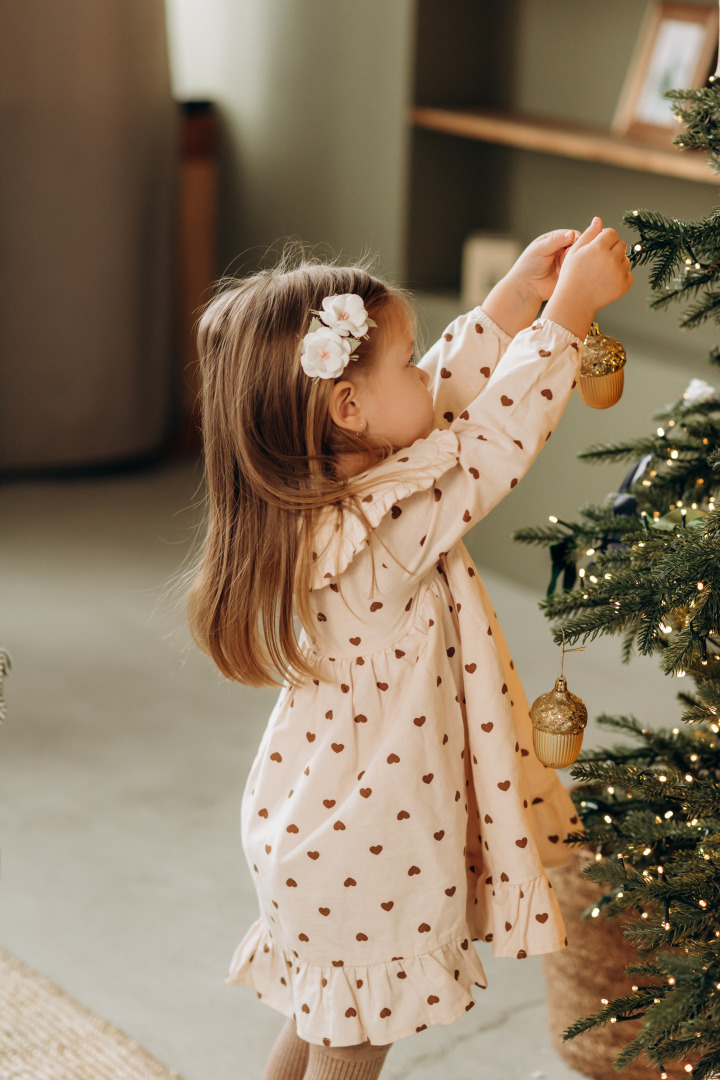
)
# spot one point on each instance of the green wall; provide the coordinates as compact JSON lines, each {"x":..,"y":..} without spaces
{"x":312,"y":97}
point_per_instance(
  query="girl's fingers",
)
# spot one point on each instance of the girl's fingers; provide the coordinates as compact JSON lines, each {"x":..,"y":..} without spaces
{"x":593,"y":230}
{"x":553,"y":242}
{"x":616,"y":241}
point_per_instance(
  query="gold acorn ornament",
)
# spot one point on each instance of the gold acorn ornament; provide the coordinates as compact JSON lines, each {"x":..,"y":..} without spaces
{"x":559,"y":719}
{"x":602,"y":374}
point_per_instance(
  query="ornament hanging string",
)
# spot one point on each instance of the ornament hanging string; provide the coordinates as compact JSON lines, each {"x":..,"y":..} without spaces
{"x":579,"y":648}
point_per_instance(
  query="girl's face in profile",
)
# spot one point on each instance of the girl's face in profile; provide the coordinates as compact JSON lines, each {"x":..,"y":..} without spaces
{"x":396,"y":402}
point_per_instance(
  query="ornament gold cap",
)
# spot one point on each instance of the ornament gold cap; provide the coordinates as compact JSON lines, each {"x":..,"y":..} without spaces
{"x":559,"y":712}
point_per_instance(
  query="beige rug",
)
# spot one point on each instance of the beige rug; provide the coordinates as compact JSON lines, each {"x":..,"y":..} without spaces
{"x":45,"y":1035}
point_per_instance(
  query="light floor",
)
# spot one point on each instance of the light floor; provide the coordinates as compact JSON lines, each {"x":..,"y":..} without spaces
{"x":121,"y":769}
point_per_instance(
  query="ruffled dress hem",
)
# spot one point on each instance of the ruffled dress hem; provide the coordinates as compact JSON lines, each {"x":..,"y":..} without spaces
{"x":342,"y":1005}
{"x":519,"y":920}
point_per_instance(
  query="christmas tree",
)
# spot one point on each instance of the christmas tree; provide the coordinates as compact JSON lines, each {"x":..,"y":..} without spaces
{"x":647,"y":567}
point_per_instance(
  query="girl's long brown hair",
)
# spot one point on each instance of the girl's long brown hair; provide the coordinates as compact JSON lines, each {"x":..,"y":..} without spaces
{"x":271,"y":462}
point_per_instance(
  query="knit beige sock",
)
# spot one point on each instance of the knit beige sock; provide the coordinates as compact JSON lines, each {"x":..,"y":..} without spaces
{"x":362,"y":1062}
{"x":288,"y":1057}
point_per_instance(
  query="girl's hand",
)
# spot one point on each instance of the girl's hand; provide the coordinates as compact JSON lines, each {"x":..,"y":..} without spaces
{"x":537,"y":269}
{"x":595,"y":271}
{"x":515,"y":300}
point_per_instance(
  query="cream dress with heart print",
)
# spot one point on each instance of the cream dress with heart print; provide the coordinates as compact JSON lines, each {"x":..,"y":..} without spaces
{"x":395,"y":811}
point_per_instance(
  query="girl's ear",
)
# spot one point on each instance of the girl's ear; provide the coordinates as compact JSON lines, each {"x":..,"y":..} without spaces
{"x":345,"y":407}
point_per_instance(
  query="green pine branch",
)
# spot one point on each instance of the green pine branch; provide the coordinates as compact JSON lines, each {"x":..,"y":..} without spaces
{"x":645,"y":565}
{"x":699,"y":111}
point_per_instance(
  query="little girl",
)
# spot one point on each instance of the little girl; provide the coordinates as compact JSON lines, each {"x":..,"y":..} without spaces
{"x":395,"y":812}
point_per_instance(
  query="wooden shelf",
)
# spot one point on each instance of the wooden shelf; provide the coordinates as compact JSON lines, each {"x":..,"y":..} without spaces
{"x":566,"y":140}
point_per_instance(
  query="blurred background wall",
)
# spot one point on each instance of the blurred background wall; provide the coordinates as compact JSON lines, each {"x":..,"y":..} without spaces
{"x":312,"y":98}
{"x":87,"y":232}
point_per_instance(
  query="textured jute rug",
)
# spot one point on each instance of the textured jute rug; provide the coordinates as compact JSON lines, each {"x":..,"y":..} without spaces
{"x":45,"y":1035}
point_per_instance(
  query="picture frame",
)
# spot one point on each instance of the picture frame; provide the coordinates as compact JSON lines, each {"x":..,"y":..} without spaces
{"x":676,"y":48}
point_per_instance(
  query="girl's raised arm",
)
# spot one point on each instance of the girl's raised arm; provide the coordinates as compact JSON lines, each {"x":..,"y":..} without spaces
{"x":461,"y":362}
{"x":499,"y":434}
{"x":509,"y":308}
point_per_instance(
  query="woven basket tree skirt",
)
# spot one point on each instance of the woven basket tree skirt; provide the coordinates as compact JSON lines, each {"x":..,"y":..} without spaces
{"x":591,"y":968}
{"x":45,"y":1035}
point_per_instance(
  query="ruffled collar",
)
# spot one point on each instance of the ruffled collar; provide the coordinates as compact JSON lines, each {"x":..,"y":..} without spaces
{"x":339,"y":537}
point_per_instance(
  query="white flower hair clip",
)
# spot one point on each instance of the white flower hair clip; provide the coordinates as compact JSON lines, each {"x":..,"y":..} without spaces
{"x":334,"y":335}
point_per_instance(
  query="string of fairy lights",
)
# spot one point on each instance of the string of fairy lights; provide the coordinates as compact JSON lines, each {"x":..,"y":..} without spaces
{"x":590,"y":574}
{"x":647,"y":877}
{"x":691,"y":261}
